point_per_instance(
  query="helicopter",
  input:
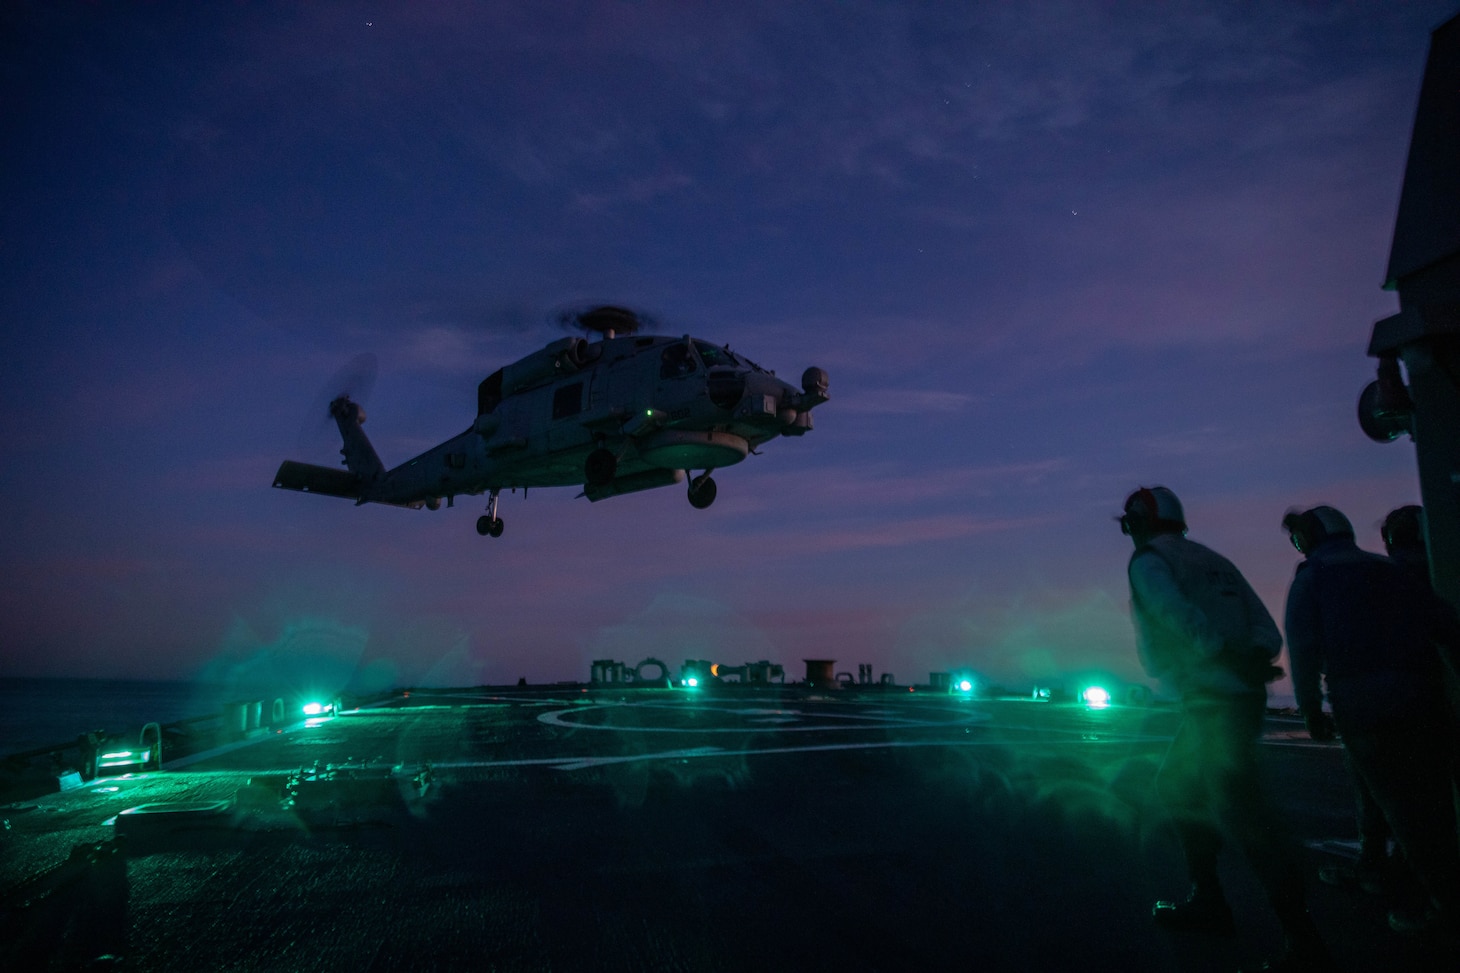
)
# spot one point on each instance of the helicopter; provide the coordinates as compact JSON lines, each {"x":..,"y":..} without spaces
{"x":617,"y":415}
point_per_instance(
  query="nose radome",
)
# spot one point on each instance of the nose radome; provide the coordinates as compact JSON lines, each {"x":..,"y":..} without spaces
{"x":815,"y":381}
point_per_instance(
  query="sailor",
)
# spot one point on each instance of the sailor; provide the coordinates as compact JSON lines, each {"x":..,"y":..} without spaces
{"x":1373,"y":871}
{"x":1362,"y":625}
{"x":1202,"y":630}
{"x":1404,"y":541}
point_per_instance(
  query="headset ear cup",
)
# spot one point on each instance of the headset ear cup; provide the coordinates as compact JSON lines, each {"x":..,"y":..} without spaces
{"x":1295,"y":523}
{"x":1139,"y":512}
{"x":1148,"y":500}
{"x":1404,"y":527}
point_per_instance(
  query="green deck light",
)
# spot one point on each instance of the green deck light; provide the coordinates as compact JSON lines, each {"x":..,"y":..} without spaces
{"x":1096,"y":697}
{"x":122,"y":758}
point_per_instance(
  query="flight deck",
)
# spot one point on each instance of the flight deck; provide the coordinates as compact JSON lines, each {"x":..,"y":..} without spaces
{"x":625,"y":828}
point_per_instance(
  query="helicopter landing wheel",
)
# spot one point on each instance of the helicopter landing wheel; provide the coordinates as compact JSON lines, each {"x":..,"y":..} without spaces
{"x":701,"y":491}
{"x":489,"y":524}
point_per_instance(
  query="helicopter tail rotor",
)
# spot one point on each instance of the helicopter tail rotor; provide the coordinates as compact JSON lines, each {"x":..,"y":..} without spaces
{"x":353,"y":382}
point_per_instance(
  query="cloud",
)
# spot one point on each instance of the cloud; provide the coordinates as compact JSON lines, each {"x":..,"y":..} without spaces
{"x":888,"y":488}
{"x":899,"y":532}
{"x":636,"y":191}
{"x":906,"y":402}
{"x":1208,"y":441}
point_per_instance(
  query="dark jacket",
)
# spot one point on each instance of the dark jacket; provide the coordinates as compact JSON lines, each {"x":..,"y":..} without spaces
{"x":1370,"y":631}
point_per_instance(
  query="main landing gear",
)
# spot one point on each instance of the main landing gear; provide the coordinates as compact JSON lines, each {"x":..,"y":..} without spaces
{"x":702,"y":491}
{"x":490,"y":525}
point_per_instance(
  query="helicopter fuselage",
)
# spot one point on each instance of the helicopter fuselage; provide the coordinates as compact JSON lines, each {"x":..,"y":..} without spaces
{"x":613,"y":416}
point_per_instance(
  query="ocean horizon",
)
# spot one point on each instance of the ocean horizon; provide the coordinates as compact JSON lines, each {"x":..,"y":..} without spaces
{"x":40,"y":712}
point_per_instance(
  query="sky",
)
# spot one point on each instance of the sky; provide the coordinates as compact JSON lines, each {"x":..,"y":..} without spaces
{"x":1047,"y":253}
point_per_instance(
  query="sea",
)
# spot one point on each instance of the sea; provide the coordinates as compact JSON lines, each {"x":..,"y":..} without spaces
{"x":37,"y":713}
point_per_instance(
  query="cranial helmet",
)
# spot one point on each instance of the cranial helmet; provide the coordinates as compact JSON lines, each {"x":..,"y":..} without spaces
{"x":1404,"y":527}
{"x":1153,"y":510}
{"x":1309,"y":528}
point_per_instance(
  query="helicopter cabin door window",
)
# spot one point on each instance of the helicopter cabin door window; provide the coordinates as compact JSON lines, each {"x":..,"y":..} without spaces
{"x":676,"y":361}
{"x":568,"y":400}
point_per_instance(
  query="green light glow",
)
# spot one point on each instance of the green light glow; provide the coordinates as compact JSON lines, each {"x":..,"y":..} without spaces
{"x":691,"y":682}
{"x":1096,"y":697}
{"x":965,"y":686}
{"x":313,"y":709}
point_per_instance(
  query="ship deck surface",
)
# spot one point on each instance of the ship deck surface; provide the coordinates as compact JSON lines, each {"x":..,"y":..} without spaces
{"x":579,"y":828}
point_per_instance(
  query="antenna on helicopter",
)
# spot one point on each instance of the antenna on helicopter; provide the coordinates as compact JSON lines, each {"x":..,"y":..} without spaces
{"x":607,"y":320}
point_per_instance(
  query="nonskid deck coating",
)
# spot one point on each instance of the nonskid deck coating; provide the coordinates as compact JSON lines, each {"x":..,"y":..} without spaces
{"x":608,"y":829}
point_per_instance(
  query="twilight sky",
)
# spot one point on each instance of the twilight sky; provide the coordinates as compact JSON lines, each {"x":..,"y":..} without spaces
{"x":1047,"y":252}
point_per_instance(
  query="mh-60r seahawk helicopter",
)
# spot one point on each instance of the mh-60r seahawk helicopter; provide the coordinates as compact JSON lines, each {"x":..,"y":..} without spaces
{"x":625,"y":413}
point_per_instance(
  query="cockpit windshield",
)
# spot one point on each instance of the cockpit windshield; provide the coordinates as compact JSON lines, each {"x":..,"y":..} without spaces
{"x":713,"y":356}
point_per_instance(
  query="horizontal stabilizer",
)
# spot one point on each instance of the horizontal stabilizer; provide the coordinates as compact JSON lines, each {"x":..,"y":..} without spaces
{"x":308,"y":478}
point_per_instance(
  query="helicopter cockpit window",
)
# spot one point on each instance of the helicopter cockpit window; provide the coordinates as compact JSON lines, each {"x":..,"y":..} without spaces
{"x":677,"y":360}
{"x":713,"y":356}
